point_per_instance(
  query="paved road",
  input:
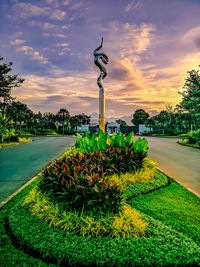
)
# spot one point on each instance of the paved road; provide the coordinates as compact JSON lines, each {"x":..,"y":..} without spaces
{"x":18,"y":164}
{"x":179,"y":162}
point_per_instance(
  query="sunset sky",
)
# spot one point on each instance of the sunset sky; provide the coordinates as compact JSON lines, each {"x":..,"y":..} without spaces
{"x":151,"y":44}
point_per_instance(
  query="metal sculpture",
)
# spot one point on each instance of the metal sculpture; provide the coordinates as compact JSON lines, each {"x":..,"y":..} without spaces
{"x":102,"y":75}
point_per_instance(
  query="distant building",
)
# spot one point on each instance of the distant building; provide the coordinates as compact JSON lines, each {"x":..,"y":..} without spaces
{"x":112,"y":128}
{"x":126,"y":129}
{"x":58,"y":124}
{"x":83,"y":128}
{"x":143,"y":128}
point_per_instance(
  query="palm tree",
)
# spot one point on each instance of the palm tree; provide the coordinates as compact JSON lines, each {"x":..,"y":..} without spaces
{"x":63,"y":116}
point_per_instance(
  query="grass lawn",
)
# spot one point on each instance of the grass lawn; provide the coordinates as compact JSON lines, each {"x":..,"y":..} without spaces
{"x":173,"y":206}
{"x":11,"y":255}
{"x":166,"y":136}
{"x":188,"y":144}
{"x":24,"y":141}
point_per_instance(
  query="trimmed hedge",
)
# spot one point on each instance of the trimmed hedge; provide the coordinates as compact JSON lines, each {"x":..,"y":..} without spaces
{"x":162,"y":246}
{"x":175,"y":206}
{"x":159,"y":181}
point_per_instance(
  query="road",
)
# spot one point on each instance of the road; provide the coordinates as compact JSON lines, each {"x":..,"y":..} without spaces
{"x":179,"y":162}
{"x":18,"y":164}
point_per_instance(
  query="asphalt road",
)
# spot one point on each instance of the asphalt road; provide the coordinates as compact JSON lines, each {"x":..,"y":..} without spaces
{"x":179,"y":162}
{"x":18,"y":164}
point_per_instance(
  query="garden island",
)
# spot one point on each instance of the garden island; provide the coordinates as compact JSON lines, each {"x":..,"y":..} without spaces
{"x":119,"y":186}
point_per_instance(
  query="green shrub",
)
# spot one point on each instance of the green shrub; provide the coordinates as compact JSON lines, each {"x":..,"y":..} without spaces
{"x":194,"y":137}
{"x":174,"y":205}
{"x":183,"y":135}
{"x":81,"y":179}
{"x":159,"y":181}
{"x":91,"y":142}
{"x":147,"y":133}
{"x":128,"y":223}
{"x":163,"y":245}
{"x":46,"y":132}
{"x":146,"y":173}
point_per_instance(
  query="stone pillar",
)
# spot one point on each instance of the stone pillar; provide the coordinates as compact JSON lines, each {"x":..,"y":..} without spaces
{"x":102,"y":109}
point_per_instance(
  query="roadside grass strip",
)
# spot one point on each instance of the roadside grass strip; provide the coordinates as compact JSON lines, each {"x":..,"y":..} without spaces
{"x":10,"y":254}
{"x":162,"y":245}
{"x":34,"y":241}
{"x":157,"y":222}
{"x":175,"y":206}
{"x":159,"y":181}
{"x":23,"y":141}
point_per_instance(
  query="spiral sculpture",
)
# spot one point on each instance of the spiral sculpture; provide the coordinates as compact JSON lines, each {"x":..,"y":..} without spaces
{"x":103,"y":74}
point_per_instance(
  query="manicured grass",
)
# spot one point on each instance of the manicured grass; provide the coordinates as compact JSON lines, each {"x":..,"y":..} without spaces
{"x":11,"y":255}
{"x":168,"y":136}
{"x":188,"y":144}
{"x":50,"y":135}
{"x":175,"y":206}
{"x":24,"y":141}
{"x":174,"y":222}
{"x":159,"y":181}
{"x":161,"y":246}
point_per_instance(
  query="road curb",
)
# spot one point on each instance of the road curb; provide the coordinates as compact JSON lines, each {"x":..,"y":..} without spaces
{"x":19,"y":190}
{"x":187,"y":145}
{"x":189,"y":189}
{"x":17,"y":144}
{"x":35,"y":177}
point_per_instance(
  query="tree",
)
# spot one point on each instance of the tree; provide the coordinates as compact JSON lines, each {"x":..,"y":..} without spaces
{"x":63,"y":116}
{"x":191,"y":97}
{"x":121,"y":122}
{"x":4,"y":124}
{"x":7,"y":82}
{"x":19,"y":112}
{"x":150,"y":123}
{"x":75,"y":121}
{"x":163,"y":118}
{"x":140,"y":117}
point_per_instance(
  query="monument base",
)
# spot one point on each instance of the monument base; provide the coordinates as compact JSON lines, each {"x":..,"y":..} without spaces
{"x":102,"y":124}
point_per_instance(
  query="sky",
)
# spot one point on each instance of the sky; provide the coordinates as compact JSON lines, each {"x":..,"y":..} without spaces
{"x":151,"y":44}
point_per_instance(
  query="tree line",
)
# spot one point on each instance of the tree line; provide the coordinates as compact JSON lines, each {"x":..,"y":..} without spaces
{"x":174,"y":119}
{"x":179,"y":118}
{"x":24,"y":119}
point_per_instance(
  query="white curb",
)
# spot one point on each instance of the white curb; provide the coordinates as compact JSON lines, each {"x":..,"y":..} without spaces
{"x":19,"y":190}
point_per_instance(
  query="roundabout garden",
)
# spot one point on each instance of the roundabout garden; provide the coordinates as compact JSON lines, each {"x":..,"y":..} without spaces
{"x":85,"y":209}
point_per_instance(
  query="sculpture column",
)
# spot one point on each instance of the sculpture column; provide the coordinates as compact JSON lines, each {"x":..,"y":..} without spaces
{"x":101,"y":109}
{"x":104,"y":59}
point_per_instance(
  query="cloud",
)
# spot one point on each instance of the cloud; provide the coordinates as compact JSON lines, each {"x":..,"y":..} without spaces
{"x":35,"y":55}
{"x":63,"y":44}
{"x":48,"y":26}
{"x":26,"y":10}
{"x":133,"y":5}
{"x":65,"y":2}
{"x":119,"y":74}
{"x":59,"y":35}
{"x":17,"y":42}
{"x":193,"y":35}
{"x":129,"y":39}
{"x":76,"y":6}
{"x":58,"y":14}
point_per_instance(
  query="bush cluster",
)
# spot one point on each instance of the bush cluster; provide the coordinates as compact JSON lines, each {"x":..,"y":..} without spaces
{"x":163,"y":245}
{"x":127,"y":223}
{"x":91,"y":142}
{"x":81,"y":178}
{"x":194,"y":137}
